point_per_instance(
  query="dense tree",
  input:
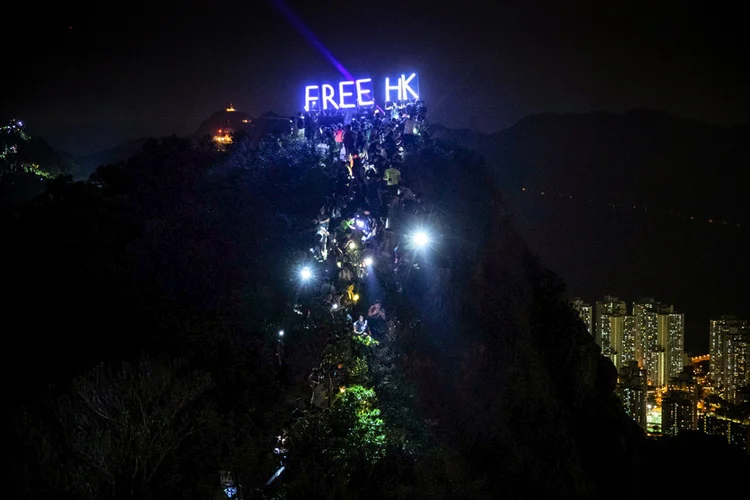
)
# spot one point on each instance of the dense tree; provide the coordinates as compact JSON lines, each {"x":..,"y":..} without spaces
{"x":116,"y":432}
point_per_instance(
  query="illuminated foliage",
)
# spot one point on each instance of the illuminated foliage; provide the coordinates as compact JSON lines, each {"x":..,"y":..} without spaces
{"x":359,"y":371}
{"x":21,"y":153}
{"x":355,"y":409}
{"x":365,"y":340}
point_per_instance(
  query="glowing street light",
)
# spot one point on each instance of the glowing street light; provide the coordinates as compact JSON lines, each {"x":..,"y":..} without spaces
{"x":305,"y":274}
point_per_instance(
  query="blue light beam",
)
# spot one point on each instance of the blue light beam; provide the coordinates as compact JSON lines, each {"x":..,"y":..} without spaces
{"x":292,"y":17}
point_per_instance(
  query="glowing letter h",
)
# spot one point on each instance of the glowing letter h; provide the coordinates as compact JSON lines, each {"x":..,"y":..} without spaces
{"x":389,"y":87}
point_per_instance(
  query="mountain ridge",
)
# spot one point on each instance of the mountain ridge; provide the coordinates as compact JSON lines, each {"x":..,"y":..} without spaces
{"x":633,"y":204}
{"x":636,"y":183}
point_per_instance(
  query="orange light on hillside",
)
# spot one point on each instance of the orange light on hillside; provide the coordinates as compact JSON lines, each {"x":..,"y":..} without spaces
{"x":223,"y":139}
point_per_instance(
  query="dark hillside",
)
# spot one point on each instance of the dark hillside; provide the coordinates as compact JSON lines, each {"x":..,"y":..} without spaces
{"x":604,"y":198}
{"x":184,"y":263}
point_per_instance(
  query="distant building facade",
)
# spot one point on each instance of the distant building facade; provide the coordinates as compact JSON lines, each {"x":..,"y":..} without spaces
{"x":679,"y":406}
{"x":633,"y":390}
{"x":585,"y":312}
{"x":730,"y":356}
{"x":678,"y":413}
{"x":608,"y":329}
{"x":735,"y":431}
{"x":618,"y":338}
{"x":659,"y":340}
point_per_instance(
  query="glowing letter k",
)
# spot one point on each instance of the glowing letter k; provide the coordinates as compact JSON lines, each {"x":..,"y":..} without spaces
{"x":405,"y":87}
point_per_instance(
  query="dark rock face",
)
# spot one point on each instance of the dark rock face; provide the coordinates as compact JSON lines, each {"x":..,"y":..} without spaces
{"x":518,"y":386}
{"x":644,"y":180}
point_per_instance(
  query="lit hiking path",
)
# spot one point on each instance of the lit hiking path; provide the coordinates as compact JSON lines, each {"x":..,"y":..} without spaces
{"x":336,"y":392}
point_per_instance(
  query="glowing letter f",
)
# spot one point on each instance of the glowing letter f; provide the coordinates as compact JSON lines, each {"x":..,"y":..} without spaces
{"x":309,"y":98}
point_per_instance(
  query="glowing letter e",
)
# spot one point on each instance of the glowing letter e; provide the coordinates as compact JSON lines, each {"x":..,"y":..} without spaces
{"x":343,"y":94}
{"x":362,"y":92}
{"x":309,"y":98}
{"x":389,"y":87}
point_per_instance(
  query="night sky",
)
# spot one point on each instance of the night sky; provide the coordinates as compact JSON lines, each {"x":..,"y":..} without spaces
{"x":90,"y":76}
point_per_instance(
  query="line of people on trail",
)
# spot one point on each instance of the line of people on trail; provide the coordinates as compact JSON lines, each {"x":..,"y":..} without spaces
{"x":358,"y":226}
{"x":360,"y":222}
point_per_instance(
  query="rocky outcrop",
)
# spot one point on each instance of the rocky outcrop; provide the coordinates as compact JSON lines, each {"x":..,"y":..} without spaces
{"x":504,"y":365}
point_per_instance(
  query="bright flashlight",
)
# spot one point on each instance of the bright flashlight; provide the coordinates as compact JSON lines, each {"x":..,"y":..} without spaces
{"x":305,"y":273}
{"x":360,"y":223}
{"x":421,"y":239}
{"x":334,"y":307}
{"x":368,"y":261}
{"x":281,"y":333}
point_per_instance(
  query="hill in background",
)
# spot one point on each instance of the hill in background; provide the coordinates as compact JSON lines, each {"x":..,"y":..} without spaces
{"x":635,"y":204}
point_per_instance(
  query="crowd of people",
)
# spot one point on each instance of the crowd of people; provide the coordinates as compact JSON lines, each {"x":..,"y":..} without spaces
{"x":370,"y":203}
{"x":361,"y":224}
{"x":369,"y":212}
{"x":363,"y":133}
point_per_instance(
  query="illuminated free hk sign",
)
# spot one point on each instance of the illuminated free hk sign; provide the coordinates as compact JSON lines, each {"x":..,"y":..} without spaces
{"x":352,"y":93}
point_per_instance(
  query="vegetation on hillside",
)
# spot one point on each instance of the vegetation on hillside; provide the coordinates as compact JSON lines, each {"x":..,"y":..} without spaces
{"x":147,"y":303}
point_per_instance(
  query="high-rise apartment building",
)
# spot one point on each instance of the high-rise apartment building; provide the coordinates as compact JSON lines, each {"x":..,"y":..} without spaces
{"x":627,"y":351}
{"x":586,"y":313}
{"x":644,"y":311}
{"x":659,"y":340}
{"x":610,"y":306}
{"x":618,"y":338}
{"x":686,"y":384}
{"x":678,"y":412}
{"x":670,"y":346}
{"x":633,"y":391}
{"x":733,"y":430}
{"x":730,"y":355}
